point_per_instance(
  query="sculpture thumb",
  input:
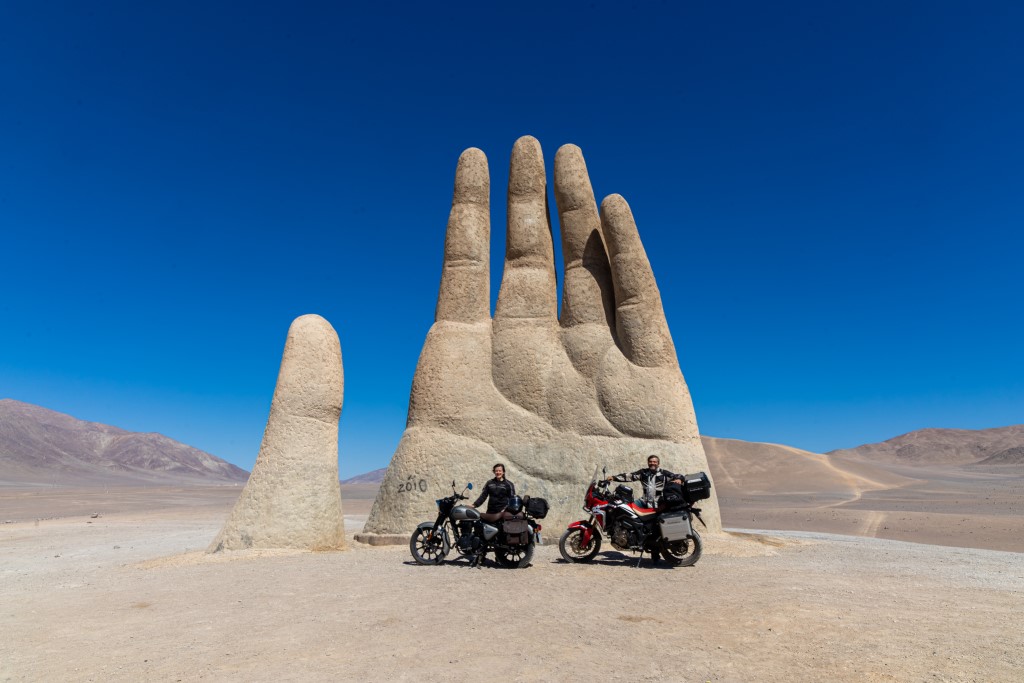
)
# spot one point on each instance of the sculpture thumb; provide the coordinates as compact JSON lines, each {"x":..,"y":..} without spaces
{"x":293,"y":498}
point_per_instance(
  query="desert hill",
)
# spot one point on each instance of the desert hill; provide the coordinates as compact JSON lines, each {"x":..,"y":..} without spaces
{"x":1010,"y":456}
{"x":374,"y":477}
{"x":931,"y":497}
{"x":941,"y":446}
{"x":40,"y":446}
{"x":750,"y":468}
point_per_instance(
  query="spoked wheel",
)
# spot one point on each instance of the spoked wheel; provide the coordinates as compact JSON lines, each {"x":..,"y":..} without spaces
{"x":514,"y":557}
{"x":684,"y":553}
{"x":427,"y":547}
{"x":572,"y":548}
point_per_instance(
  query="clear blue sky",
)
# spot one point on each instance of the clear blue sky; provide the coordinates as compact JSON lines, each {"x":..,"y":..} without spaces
{"x":832,"y":196}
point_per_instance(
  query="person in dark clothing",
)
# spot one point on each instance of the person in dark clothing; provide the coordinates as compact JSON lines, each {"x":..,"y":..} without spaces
{"x":653,"y":479}
{"x":497,"y":491}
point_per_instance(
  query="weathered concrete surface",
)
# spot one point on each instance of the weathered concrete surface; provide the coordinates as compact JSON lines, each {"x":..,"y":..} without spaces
{"x":293,"y":498}
{"x":549,"y":397}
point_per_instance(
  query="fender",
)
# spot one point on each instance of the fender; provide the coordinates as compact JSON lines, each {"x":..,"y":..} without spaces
{"x":444,"y":534}
{"x":588,"y":530}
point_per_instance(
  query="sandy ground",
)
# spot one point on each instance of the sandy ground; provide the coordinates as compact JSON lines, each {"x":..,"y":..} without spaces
{"x":130,"y":595}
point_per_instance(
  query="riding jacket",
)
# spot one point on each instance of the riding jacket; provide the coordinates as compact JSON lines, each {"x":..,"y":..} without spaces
{"x":499,"y":492}
{"x":652,"y":481}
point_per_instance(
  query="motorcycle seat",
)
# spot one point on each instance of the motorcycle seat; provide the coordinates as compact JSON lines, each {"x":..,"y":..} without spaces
{"x":499,"y":516}
{"x":641,"y":510}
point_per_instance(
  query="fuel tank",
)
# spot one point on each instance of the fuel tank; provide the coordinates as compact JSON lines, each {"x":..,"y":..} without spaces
{"x":463,"y":513}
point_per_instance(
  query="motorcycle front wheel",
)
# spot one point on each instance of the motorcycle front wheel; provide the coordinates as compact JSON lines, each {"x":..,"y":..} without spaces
{"x":514,"y":557}
{"x":572,"y":551}
{"x":427,"y":547}
{"x":684,"y":553}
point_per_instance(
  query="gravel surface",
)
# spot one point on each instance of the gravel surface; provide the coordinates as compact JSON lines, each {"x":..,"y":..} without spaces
{"x":133,"y":597}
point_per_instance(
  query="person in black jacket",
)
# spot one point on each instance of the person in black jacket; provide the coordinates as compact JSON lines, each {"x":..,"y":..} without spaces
{"x":653,"y":479}
{"x":497,"y":490}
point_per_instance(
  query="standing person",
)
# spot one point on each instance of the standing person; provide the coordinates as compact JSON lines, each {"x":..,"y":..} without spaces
{"x":497,"y":490}
{"x":653,"y":479}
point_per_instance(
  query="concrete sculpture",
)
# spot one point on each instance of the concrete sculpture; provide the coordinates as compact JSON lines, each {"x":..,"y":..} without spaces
{"x":293,"y":498}
{"x":550,"y":397}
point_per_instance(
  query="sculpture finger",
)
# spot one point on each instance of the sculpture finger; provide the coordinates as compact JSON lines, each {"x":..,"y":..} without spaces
{"x":587,"y":296}
{"x":639,"y":317}
{"x":292,"y":498}
{"x":464,"y":295}
{"x":528,"y":285}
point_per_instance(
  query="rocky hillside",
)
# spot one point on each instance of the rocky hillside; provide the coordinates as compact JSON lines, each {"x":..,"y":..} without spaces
{"x":41,"y":446}
{"x":945,"y":446}
{"x":1010,"y":456}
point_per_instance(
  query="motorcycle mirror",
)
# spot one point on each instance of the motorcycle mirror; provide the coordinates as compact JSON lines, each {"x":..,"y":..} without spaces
{"x":469,"y":486}
{"x":453,"y":483}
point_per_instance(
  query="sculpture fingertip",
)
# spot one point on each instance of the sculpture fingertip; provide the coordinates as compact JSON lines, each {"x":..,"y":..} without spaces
{"x":614,"y":203}
{"x":526,"y":140}
{"x":472,"y":178}
{"x":526,"y":170}
{"x":473,"y":155}
{"x":568,"y":150}
{"x":311,"y":320}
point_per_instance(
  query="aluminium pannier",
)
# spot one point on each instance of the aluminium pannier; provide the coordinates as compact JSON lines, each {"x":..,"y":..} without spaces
{"x":675,"y":527}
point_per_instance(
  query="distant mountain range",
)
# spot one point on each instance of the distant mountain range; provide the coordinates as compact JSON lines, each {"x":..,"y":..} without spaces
{"x":999,"y":446}
{"x":374,"y":477}
{"x":43,"y":447}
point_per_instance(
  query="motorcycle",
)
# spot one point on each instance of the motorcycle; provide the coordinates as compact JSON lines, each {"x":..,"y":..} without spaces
{"x":667,"y":529}
{"x":511,"y":533}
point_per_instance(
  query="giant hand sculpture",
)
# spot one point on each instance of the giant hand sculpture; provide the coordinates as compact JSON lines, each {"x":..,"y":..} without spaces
{"x":549,"y":397}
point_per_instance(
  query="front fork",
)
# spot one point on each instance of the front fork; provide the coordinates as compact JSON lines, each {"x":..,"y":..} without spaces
{"x":436,"y":531}
{"x":590,"y":527}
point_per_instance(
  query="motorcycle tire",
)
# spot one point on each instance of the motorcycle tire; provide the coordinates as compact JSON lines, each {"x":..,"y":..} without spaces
{"x":514,"y":558}
{"x":424,"y":550}
{"x":569,"y":546}
{"x":683,"y":553}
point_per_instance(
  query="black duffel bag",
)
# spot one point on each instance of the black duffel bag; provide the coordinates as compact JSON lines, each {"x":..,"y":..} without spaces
{"x":673,"y":495}
{"x":536,"y":507}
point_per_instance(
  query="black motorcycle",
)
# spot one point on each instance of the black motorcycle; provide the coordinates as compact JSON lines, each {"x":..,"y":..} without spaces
{"x":511,"y":533}
{"x":634,"y":525}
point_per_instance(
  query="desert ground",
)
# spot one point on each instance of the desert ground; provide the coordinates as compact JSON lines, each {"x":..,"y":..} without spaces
{"x":130,"y":594}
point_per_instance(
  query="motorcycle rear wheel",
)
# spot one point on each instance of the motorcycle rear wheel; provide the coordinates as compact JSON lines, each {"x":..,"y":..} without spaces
{"x":569,"y":546}
{"x":684,"y":553}
{"x":426,"y":549}
{"x":514,"y":557}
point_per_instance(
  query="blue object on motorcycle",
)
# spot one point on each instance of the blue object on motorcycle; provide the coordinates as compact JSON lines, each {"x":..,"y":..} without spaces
{"x":469,"y":486}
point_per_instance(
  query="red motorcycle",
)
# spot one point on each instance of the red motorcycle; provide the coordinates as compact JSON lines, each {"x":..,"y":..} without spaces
{"x":630,"y":525}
